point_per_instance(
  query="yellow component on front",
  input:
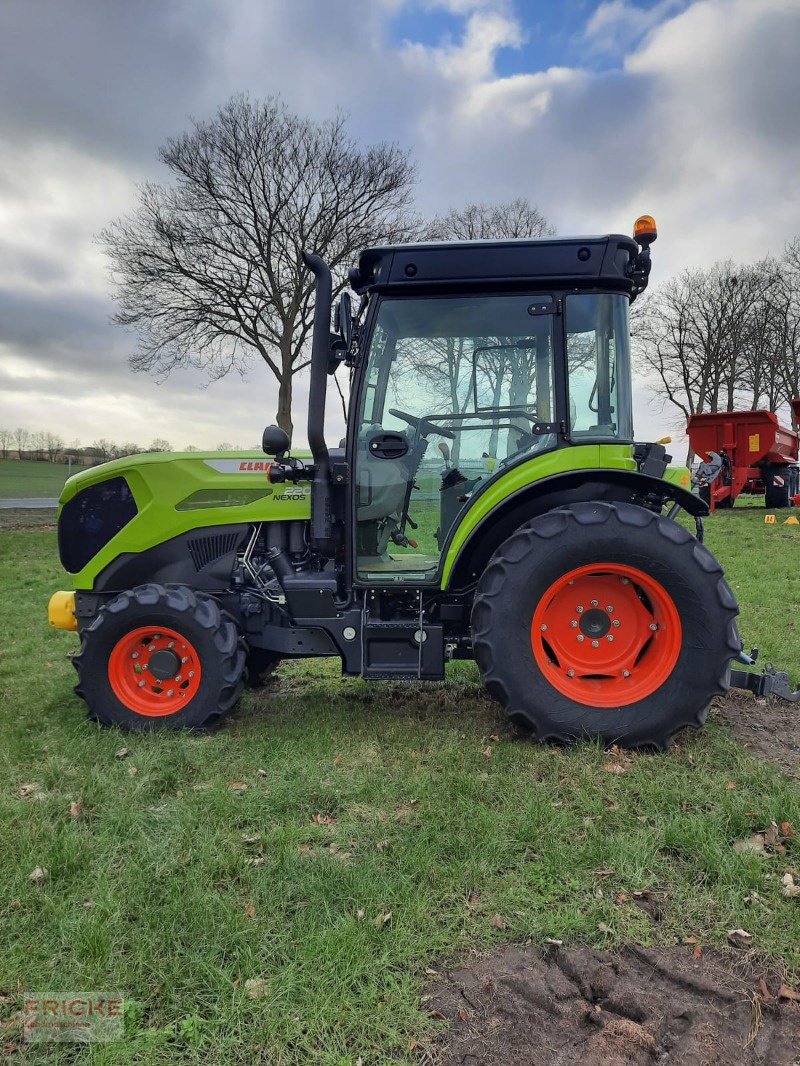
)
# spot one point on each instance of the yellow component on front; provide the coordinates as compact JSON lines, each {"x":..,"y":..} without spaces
{"x":664,"y":440}
{"x":61,"y":611}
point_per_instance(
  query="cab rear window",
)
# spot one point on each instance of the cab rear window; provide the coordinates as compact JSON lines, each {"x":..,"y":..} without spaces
{"x":91,"y":519}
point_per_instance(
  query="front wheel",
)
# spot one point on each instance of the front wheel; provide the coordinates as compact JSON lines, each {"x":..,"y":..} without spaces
{"x":607,"y":621}
{"x":160,"y":657}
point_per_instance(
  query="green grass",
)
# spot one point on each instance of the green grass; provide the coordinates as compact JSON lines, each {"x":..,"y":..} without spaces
{"x":386,"y":798}
{"x":26,"y":480}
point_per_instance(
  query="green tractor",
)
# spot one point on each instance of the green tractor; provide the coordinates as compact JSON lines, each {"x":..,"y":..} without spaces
{"x":488,"y":502}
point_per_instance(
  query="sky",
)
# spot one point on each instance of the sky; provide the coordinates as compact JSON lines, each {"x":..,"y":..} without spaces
{"x":597,"y":111}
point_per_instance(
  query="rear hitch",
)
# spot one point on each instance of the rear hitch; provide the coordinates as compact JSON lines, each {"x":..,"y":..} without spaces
{"x":770,"y":682}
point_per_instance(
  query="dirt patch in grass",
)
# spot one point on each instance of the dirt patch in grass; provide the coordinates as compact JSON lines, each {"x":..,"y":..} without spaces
{"x":641,"y":1006}
{"x":13,"y":518}
{"x":769,"y":728}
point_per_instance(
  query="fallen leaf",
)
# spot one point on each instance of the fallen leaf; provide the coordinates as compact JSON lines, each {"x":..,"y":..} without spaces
{"x":87,"y":904}
{"x":337,"y":760}
{"x":255,"y":987}
{"x":382,"y":845}
{"x":473,"y":899}
{"x":604,"y":928}
{"x":257,"y":861}
{"x":383,"y":918}
{"x":237,"y":786}
{"x":740,"y":938}
{"x":615,"y":768}
{"x":690,"y":940}
{"x":785,"y":992}
{"x":38,"y":875}
{"x":123,"y":753}
{"x":731,"y":786}
{"x":323,"y":819}
{"x":498,"y":922}
{"x":179,"y":793}
{"x":487,"y":753}
{"x":754,"y":843}
{"x":495,"y":738}
{"x":603,"y":873}
{"x":75,"y":809}
{"x":697,"y":953}
{"x":643,"y":893}
{"x":254,"y":839}
{"x":437,"y":1014}
{"x":786,"y":829}
{"x":132,"y":771}
{"x":463,"y":1015}
{"x":250,"y":910}
{"x":29,"y":789}
{"x":360,"y":914}
{"x":766,"y":995}
{"x":789,"y":887}
{"x":620,"y":898}
{"x":261,"y":773}
{"x":551,"y":940}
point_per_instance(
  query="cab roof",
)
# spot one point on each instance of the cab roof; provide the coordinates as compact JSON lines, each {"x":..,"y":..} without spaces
{"x":572,"y":262}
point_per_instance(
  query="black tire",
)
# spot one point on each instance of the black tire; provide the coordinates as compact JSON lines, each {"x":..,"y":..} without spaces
{"x":776,"y":496}
{"x":549,"y":547}
{"x":261,"y":665}
{"x":196,"y":617}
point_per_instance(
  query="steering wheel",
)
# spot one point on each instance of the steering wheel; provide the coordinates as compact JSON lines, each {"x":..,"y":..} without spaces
{"x":423,"y":425}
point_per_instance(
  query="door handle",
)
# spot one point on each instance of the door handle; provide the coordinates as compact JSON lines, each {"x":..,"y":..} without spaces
{"x":389,"y":446}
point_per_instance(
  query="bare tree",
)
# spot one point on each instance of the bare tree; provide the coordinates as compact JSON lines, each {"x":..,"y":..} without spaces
{"x":22,"y":440}
{"x":54,"y":446}
{"x":481,"y":221}
{"x":209,"y":270}
{"x":160,"y":445}
{"x":103,"y":449}
{"x":6,"y":438}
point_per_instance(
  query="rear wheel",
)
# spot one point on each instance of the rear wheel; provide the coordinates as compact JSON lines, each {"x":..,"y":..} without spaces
{"x":160,"y":657}
{"x":604,"y":620}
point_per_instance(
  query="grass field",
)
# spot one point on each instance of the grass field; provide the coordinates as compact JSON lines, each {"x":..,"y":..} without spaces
{"x":27,"y":480}
{"x":336,"y":839}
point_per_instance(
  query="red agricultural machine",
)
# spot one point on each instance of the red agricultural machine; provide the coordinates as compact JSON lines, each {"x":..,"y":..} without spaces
{"x":747,"y":451}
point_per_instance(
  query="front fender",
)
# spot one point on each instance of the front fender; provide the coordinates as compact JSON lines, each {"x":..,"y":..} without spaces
{"x":467,"y":556}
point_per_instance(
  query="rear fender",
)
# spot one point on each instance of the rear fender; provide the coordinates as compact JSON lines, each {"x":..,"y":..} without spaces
{"x":607,"y":485}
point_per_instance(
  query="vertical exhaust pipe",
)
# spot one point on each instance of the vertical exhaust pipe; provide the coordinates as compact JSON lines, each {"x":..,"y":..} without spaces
{"x":321,"y":518}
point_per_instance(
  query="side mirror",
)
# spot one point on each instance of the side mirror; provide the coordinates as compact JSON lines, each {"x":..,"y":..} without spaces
{"x":275,"y":441}
{"x":344,"y":320}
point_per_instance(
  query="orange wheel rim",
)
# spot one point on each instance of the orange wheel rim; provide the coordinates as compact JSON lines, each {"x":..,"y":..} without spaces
{"x":606,"y":635}
{"x":154,"y":671}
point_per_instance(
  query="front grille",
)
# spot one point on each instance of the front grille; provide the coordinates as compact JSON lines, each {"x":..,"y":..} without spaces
{"x":206,"y":550}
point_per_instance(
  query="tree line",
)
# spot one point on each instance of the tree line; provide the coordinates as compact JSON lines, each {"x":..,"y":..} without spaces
{"x":42,"y":446}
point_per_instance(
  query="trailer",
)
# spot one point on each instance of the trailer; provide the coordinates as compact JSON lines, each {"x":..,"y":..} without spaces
{"x":757,"y":455}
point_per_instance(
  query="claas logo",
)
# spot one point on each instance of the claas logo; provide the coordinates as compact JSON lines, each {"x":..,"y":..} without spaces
{"x":253,"y":465}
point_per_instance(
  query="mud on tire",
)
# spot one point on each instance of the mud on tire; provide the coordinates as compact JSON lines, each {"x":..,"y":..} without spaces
{"x":588,"y":536}
{"x":112,"y":662}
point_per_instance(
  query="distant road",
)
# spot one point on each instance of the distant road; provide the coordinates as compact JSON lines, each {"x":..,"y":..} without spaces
{"x":7,"y":505}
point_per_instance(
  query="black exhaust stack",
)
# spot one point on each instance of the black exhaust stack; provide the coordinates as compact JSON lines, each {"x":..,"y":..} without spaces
{"x":321,"y":520}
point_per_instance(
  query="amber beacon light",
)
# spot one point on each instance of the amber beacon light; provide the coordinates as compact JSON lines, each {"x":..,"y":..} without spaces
{"x":644,"y":230}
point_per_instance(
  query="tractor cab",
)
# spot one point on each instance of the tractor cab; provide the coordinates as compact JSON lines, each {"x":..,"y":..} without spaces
{"x":469,"y":360}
